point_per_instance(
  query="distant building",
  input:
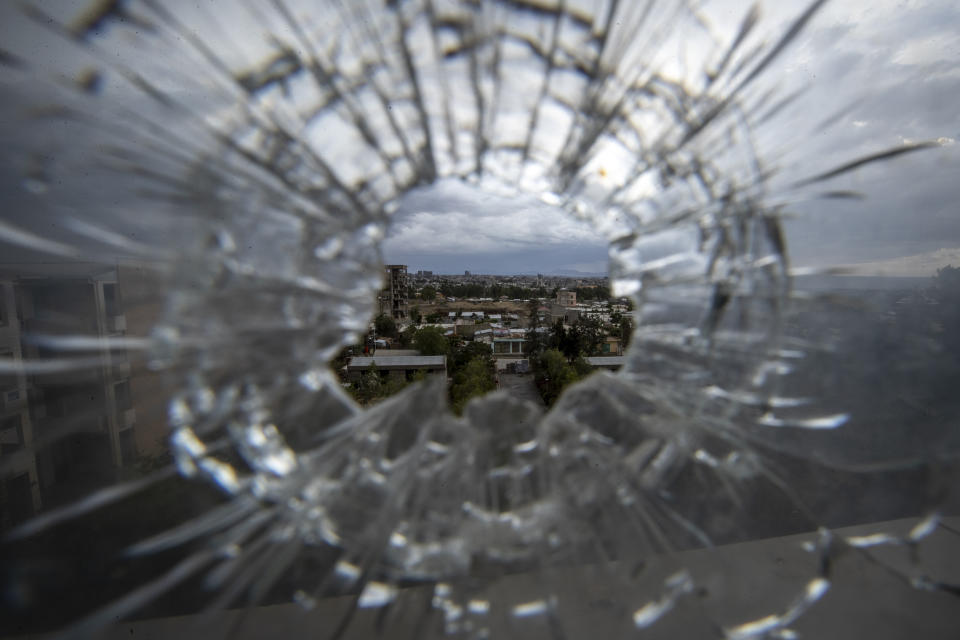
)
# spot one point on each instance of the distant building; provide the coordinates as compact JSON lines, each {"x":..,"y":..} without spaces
{"x":508,"y":346}
{"x":612,"y":346}
{"x":566,"y":298}
{"x":397,"y":366}
{"x":569,"y":315}
{"x":469,"y":330}
{"x":466,"y":273}
{"x":393,"y":298}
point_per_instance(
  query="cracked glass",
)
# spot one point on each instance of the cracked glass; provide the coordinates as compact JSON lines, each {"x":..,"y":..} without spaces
{"x":196,"y":198}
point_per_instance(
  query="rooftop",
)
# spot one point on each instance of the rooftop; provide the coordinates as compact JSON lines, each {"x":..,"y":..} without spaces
{"x":398,"y":362}
{"x":600,"y":361}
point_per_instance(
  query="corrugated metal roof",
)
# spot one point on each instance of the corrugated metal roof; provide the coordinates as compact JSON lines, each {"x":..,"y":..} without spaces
{"x":599,"y":361}
{"x":407,"y":362}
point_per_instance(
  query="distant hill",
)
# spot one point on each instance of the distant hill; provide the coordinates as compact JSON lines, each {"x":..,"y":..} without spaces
{"x":914,"y":266}
{"x":577,"y":274}
{"x":859,"y":283}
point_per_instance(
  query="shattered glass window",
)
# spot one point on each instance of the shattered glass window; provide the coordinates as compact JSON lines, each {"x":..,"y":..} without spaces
{"x":195,"y":198}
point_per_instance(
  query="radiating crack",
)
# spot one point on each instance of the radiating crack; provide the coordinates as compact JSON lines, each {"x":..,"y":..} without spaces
{"x":252,"y":154}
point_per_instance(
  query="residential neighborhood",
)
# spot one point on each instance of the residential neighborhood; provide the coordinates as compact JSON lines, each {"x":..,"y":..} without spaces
{"x":495,"y":326}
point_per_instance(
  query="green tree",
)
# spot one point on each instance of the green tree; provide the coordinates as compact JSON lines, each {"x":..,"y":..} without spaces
{"x":468,"y":351}
{"x":475,"y":379}
{"x":373,"y":387}
{"x":534,"y":340}
{"x":430,"y":341}
{"x":428,"y":293}
{"x":587,"y":337}
{"x":407,"y":336}
{"x":582,"y":368}
{"x":393,"y":384}
{"x":386,"y":326}
{"x":558,"y":335}
{"x":626,"y":331}
{"x":553,"y":375}
{"x":415,"y":316}
{"x":369,"y":386}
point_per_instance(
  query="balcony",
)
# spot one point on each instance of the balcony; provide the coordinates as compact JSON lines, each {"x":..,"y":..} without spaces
{"x":11,"y":399}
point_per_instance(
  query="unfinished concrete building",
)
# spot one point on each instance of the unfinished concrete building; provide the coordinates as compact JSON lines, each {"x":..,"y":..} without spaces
{"x":566,"y":298}
{"x":393,"y":298}
{"x":83,"y":415}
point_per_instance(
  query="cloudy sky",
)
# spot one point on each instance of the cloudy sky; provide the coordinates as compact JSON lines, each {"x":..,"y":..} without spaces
{"x":896,"y":64}
{"x":891,"y":68}
{"x":452,"y":227}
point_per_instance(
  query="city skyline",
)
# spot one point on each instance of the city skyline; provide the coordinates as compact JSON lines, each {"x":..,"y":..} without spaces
{"x":451,"y":227}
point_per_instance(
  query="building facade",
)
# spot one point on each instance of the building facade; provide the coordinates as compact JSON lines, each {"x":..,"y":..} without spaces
{"x":19,"y":484}
{"x":393,"y":298}
{"x":67,"y":417}
{"x":566,"y":298}
{"x":405,"y":367}
{"x":509,"y":346}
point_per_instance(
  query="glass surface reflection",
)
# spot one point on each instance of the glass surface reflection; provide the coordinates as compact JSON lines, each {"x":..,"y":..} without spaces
{"x":196,"y":201}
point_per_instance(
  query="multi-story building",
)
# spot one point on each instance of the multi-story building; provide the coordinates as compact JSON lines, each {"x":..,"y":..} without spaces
{"x":393,"y":298}
{"x":67,"y":415}
{"x":566,"y":298}
{"x":19,"y":484}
